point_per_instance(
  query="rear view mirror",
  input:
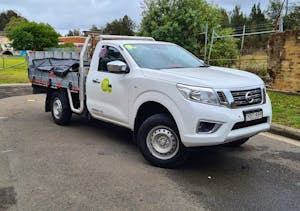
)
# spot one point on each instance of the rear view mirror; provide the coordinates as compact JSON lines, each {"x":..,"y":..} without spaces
{"x":117,"y":67}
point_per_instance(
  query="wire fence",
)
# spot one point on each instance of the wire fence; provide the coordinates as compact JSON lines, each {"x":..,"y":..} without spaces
{"x":12,"y":62}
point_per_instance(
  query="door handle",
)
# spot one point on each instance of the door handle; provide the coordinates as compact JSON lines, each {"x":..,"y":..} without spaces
{"x":96,"y":81}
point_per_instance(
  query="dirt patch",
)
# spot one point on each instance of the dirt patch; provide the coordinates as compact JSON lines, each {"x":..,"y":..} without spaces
{"x":7,"y":197}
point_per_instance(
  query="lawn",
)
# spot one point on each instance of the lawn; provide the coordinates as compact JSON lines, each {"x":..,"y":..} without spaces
{"x":286,"y":109}
{"x":17,"y":74}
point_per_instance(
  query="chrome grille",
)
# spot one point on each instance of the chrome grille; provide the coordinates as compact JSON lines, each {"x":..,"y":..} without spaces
{"x":247,"y":97}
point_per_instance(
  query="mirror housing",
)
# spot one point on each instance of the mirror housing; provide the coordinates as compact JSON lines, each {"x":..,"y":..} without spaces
{"x":117,"y":67}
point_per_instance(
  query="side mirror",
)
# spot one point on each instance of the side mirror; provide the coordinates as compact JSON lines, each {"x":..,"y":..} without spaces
{"x":117,"y":67}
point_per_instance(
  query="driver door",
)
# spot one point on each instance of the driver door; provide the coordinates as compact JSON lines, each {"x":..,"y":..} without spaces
{"x":108,"y":91}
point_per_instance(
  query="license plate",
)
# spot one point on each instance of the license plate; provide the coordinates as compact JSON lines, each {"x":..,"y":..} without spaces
{"x":253,"y":115}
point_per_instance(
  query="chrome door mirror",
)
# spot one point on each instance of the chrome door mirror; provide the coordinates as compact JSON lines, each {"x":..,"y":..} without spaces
{"x":117,"y":67}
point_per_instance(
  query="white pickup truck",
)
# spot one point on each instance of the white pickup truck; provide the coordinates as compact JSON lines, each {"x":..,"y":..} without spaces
{"x":169,"y":98}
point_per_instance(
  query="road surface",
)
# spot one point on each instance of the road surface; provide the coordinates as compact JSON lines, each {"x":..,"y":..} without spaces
{"x":95,"y":166}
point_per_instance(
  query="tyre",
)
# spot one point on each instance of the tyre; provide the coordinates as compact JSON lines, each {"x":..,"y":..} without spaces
{"x":60,"y":108}
{"x":159,"y":142}
{"x":237,"y":143}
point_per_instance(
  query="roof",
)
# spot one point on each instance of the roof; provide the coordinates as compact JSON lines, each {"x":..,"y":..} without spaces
{"x":72,"y":39}
{"x":124,"y":42}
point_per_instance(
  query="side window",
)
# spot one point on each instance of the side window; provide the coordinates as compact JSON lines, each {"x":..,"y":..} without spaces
{"x":108,"y":54}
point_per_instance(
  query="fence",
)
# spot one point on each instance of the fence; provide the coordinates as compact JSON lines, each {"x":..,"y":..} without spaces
{"x":12,"y":62}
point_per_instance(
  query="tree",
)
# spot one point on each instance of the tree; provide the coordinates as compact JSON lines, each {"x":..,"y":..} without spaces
{"x":179,"y":21}
{"x":291,"y":20}
{"x":257,"y":17}
{"x":257,"y":22}
{"x":237,"y":19}
{"x":123,"y":26}
{"x":14,"y":21}
{"x":74,"y":32}
{"x":6,"y":16}
{"x":225,"y":48}
{"x":95,"y":28}
{"x":224,"y":18}
{"x":32,"y":36}
{"x":274,"y":9}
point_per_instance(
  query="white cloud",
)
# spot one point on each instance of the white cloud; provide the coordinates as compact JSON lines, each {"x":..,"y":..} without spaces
{"x":73,"y":14}
{"x":70,"y":14}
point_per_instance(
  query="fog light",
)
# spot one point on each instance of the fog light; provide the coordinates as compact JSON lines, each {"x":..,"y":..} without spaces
{"x":207,"y":127}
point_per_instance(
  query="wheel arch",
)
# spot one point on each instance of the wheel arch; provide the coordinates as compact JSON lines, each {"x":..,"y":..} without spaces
{"x":153,"y":103}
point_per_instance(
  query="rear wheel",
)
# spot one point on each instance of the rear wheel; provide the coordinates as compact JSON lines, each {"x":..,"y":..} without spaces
{"x":159,"y":141}
{"x":60,"y":109}
{"x":237,"y":143}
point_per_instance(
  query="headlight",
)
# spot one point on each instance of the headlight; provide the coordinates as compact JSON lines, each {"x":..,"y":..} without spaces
{"x":198,"y":94}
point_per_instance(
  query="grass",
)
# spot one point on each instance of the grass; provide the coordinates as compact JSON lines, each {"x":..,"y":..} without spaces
{"x":286,"y":109}
{"x":17,"y":74}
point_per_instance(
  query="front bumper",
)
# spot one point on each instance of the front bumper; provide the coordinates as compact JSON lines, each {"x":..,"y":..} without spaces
{"x":225,"y":116}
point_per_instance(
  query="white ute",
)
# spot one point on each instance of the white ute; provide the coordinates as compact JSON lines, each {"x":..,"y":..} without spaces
{"x":169,"y":98}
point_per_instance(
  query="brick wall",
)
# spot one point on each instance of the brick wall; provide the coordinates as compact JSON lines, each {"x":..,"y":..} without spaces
{"x":284,"y":60}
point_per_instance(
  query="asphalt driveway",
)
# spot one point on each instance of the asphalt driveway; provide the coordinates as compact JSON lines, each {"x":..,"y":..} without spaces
{"x":95,"y":166}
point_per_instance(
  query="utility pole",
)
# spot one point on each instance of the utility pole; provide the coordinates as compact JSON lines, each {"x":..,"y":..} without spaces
{"x":286,"y":7}
{"x":280,"y":24}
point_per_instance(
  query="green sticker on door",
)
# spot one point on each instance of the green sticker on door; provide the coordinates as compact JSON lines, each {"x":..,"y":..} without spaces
{"x":105,"y":85}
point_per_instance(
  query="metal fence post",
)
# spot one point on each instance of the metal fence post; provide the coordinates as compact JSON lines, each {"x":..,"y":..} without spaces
{"x":242,"y":46}
{"x":211,"y":45}
{"x":206,"y":33}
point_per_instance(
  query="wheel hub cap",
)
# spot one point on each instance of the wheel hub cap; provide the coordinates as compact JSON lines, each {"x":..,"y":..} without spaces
{"x":57,"y":108}
{"x":162,"y":142}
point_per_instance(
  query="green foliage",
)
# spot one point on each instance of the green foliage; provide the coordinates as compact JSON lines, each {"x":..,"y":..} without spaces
{"x":6,"y":16}
{"x":66,"y":45}
{"x":238,"y":18}
{"x":291,"y":20}
{"x":123,"y":26}
{"x":74,"y":32}
{"x":224,"y":18}
{"x":32,"y":36}
{"x":179,"y":21}
{"x":257,"y":17}
{"x":273,"y":10}
{"x":95,"y":28}
{"x":14,"y":21}
{"x":225,"y":50}
{"x":257,"y":21}
{"x":264,"y":72}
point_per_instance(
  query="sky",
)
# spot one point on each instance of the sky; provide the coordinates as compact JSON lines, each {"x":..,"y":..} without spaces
{"x":81,"y":14}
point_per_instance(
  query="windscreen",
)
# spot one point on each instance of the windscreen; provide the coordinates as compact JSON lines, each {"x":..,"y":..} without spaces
{"x":162,"y":56}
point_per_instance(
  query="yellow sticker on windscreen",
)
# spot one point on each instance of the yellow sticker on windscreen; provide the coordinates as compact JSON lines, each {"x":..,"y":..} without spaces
{"x":129,"y":47}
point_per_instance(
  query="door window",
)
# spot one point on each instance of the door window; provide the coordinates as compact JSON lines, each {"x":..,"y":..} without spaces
{"x":108,"y":54}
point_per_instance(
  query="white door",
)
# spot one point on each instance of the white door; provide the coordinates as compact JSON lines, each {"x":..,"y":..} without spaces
{"x":107,"y":92}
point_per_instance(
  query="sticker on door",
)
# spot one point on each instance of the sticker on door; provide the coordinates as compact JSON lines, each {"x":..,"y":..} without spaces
{"x":105,"y":85}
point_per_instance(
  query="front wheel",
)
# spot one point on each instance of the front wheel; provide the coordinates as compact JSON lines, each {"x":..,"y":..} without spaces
{"x":60,"y":109}
{"x":159,"y":141}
